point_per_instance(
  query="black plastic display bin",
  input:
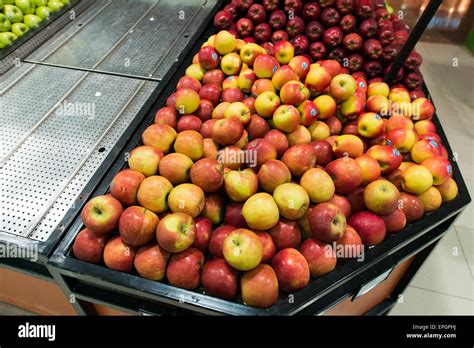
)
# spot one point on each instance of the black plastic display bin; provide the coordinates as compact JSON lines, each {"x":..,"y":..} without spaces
{"x":131,"y":293}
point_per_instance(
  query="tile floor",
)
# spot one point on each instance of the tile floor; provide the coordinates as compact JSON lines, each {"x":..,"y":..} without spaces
{"x":445,"y":282}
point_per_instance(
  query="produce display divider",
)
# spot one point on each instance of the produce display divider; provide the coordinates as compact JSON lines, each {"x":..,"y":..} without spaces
{"x":131,"y":293}
{"x":45,"y":248}
{"x":10,"y":55}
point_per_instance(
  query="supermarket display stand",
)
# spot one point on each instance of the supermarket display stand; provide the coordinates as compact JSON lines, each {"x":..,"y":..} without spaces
{"x":39,"y":202}
{"x":133,"y":294}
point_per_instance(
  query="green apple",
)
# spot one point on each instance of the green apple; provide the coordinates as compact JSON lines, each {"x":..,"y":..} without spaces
{"x":5,"y":24}
{"x":32,"y":21}
{"x":39,"y":3}
{"x":1,"y":4}
{"x":13,"y":13}
{"x":55,"y":5}
{"x":9,"y":2}
{"x":43,"y":12}
{"x":19,"y":29}
{"x":6,"y":39}
{"x":26,"y":6}
{"x":65,"y":2}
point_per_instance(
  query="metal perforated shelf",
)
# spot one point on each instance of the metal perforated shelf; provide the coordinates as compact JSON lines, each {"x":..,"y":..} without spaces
{"x":48,"y":156}
{"x":142,"y":44}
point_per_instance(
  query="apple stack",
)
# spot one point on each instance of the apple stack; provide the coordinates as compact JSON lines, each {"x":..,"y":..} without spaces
{"x":364,"y":36}
{"x":261,"y":169}
{"x":19,"y":16}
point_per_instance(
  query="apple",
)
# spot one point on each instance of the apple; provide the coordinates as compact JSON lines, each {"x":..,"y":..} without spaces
{"x":231,"y":64}
{"x":300,"y":135}
{"x":291,"y":269}
{"x":370,"y":124}
{"x":278,"y":140}
{"x":56,"y":5}
{"x":187,"y":101}
{"x":286,"y":118}
{"x":317,"y":80}
{"x":351,"y":243}
{"x":101,"y":214}
{"x":262,"y":85}
{"x":314,"y":30}
{"x":378,"y":104}
{"x":137,"y":225}
{"x":233,"y":215}
{"x":346,"y":174}
{"x":13,"y":13}
{"x":231,"y":157}
{"x":399,"y":95}
{"x":348,"y":23}
{"x":19,"y":29}
{"x":294,"y":93}
{"x":389,"y":158}
{"x":342,"y":86}
{"x":326,"y":105}
{"x":395,"y":222}
{"x":416,"y":179}
{"x":242,"y":249}
{"x":265,"y":66}
{"x":184,"y":268}
{"x":342,"y":203}
{"x":332,"y":37}
{"x":277,"y":20}
{"x":238,"y":110}
{"x":352,"y":42}
{"x":286,"y":234}
{"x":381,"y":197}
{"x":284,"y":52}
{"x":159,"y":136}
{"x":283,"y":75}
{"x":355,"y":62}
{"x":189,"y":143}
{"x":249,"y":102}
{"x":448,"y":190}
{"x":218,"y":112}
{"x":213,"y":208}
{"x":124,"y":186}
{"x":250,"y":52}
{"x":212,"y":93}
{"x":217,"y":240}
{"x":301,"y":65}
{"x":189,"y":122}
{"x":203,"y":233}
{"x":401,"y":139}
{"x":311,"y":11}
{"x":398,"y":121}
{"x":308,"y":113}
{"x":186,"y":198}
{"x":272,"y":174}
{"x":118,"y":255}
{"x":153,"y":192}
{"x":189,"y":82}
{"x":295,"y":26}
{"x":167,"y":115}
{"x":264,"y":151}
{"x":232,"y":95}
{"x":260,"y":211}
{"x":370,"y":227}
{"x":330,"y":17}
{"x":352,"y":107}
{"x":175,"y":167}
{"x":44,"y":12}
{"x":422,"y":108}
{"x":372,"y":49}
{"x":431,"y":199}
{"x":151,"y":261}
{"x":327,"y":222}
{"x":245,"y":80}
{"x":356,"y":199}
{"x":378,"y":88}
{"x":176,"y":232}
{"x":268,"y":246}
{"x":5,"y":24}
{"x":89,"y":246}
{"x":240,"y":185}
{"x":227,"y":131}
{"x":215,"y":77}
{"x":372,"y":68}
{"x":245,"y":27}
{"x":219,"y":279}
{"x":292,"y":200}
{"x":266,"y":103}
{"x":323,"y":151}
{"x":257,"y":127}
{"x":424,"y":126}
{"x":207,"y":173}
{"x":424,"y":149}
{"x":259,"y":287}
{"x":256,"y":13}
{"x":370,"y":169}
{"x":224,"y":42}
{"x":204,"y":112}
{"x":348,"y":145}
{"x":299,"y":158}
{"x":196,"y":71}
{"x":320,"y":256}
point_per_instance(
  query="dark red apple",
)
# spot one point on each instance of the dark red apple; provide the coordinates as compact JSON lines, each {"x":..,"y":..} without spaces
{"x":348,"y":23}
{"x":300,"y":43}
{"x":223,"y":20}
{"x":364,"y":8}
{"x":256,"y":13}
{"x":368,"y":28}
{"x":345,"y":6}
{"x":314,"y":30}
{"x":216,"y":242}
{"x":356,"y":62}
{"x":295,"y":26}
{"x":323,"y":151}
{"x":332,"y":37}
{"x":277,"y":20}
{"x":233,"y":215}
{"x":245,"y":27}
{"x":369,"y":226}
{"x":330,"y":17}
{"x":263,"y":33}
{"x":372,"y":68}
{"x":311,"y":11}
{"x":293,"y":6}
{"x":280,"y":35}
{"x":219,"y":279}
{"x":352,"y":42}
{"x":372,"y":49}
